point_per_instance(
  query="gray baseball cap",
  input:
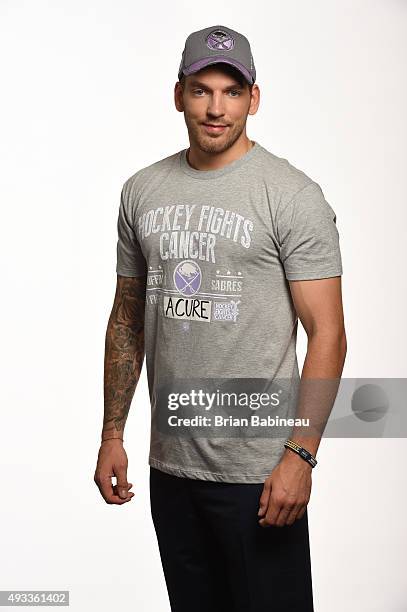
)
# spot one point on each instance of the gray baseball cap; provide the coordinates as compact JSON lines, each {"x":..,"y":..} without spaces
{"x":217,"y":44}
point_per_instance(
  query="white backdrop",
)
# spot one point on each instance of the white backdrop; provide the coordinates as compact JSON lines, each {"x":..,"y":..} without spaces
{"x":87,"y":100}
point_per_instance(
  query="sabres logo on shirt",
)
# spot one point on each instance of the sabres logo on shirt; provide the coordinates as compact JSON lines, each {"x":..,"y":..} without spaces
{"x":187,"y":280}
{"x":187,"y":277}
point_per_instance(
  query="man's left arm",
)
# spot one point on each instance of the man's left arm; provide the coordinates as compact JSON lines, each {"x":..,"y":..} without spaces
{"x":319,"y":307}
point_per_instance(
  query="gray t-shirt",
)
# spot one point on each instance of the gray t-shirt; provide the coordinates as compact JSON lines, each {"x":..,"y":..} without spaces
{"x":219,"y":247}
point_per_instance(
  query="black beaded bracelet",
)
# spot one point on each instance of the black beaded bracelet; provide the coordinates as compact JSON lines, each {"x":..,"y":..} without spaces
{"x":306,"y":455}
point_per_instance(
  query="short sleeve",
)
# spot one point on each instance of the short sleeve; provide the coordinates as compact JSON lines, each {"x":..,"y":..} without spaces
{"x":130,"y":259}
{"x":308,"y":236}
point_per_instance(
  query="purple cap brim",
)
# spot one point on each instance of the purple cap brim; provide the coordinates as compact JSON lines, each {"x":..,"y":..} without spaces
{"x":216,"y":59}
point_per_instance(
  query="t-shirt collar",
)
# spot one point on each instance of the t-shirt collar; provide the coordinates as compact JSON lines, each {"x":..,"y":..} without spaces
{"x":211,"y":174}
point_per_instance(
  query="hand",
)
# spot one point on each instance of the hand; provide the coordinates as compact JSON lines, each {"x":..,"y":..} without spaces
{"x":112,"y":461}
{"x":286,"y":492}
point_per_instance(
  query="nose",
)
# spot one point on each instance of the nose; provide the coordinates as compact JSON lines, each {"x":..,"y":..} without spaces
{"x":215,"y":106}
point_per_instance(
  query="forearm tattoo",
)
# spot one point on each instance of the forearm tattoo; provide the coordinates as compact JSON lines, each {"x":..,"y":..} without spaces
{"x":124,"y":351}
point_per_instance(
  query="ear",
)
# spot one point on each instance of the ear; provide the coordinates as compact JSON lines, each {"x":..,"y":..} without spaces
{"x":178,"y":93}
{"x":254,"y":99}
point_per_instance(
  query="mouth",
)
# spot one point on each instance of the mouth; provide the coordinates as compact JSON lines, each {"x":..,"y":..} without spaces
{"x":214,"y":127}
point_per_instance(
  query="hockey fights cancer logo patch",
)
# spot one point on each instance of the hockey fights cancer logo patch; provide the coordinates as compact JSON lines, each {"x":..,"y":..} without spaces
{"x":190,"y":233}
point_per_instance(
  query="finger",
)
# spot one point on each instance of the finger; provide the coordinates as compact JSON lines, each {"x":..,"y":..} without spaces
{"x":128,"y":497}
{"x":106,"y":489}
{"x":129,"y":485}
{"x":294,"y":514}
{"x":273,"y":511}
{"x":283,"y":515}
{"x":104,"y":484}
{"x":264,"y":498}
{"x":301,"y":512}
{"x":264,"y":522}
{"x":122,"y":484}
{"x":116,"y":499}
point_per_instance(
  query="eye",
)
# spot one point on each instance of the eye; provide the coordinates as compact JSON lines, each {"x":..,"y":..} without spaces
{"x":235,"y":91}
{"x":196,"y":91}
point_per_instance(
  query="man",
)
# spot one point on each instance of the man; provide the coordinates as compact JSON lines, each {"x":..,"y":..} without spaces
{"x":221,"y":248}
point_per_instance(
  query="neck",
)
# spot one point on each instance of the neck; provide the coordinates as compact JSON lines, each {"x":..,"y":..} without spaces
{"x":201,"y":160}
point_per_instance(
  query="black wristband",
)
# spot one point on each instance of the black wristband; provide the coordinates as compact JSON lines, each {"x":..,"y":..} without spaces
{"x":300,"y":450}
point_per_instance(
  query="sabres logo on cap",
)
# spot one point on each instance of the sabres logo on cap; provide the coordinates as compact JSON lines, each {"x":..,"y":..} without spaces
{"x":219,"y":40}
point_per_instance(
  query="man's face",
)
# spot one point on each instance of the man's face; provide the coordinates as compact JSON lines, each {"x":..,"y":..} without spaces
{"x":212,"y":98}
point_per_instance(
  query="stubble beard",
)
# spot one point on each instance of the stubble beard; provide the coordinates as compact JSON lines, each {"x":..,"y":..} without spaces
{"x":213,"y":143}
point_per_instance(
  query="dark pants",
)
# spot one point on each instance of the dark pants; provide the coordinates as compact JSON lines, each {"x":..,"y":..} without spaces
{"x":215,"y":555}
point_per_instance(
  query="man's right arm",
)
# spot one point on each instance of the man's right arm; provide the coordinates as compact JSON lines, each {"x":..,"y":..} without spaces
{"x":124,"y":354}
